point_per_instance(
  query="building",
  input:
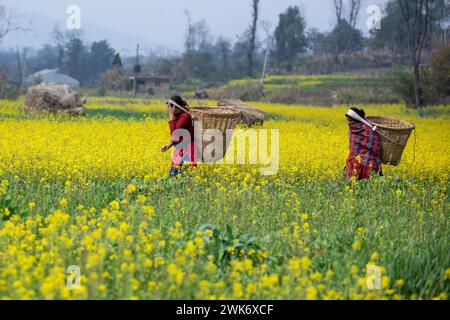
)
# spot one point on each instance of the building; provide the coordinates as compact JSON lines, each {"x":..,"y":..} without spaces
{"x":150,"y":83}
{"x":51,"y":76}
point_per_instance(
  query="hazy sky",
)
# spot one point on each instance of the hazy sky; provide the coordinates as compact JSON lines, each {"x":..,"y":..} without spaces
{"x":162,"y":22}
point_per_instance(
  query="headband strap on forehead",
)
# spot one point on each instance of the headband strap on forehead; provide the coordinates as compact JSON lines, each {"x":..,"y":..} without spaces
{"x":178,"y":106}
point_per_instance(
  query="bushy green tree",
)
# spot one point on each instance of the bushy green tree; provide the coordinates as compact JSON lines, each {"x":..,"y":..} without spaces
{"x":290,"y":38}
{"x":75,"y":64}
{"x":346,"y":38}
{"x":117,"y":61}
{"x":99,"y":59}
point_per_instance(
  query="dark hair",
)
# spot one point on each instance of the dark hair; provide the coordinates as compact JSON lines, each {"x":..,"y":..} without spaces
{"x":360,"y":113}
{"x":179,"y":100}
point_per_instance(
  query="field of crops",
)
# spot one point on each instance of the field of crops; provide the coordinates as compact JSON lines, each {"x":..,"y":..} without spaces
{"x":94,"y":193}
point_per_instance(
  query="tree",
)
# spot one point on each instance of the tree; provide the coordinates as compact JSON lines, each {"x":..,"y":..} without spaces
{"x":239,"y":58}
{"x":440,"y":72}
{"x":290,"y":39}
{"x":117,"y":61}
{"x":252,"y":37}
{"x":393,"y":34}
{"x":100,"y":58}
{"x":197,"y":60}
{"x":346,"y":36}
{"x":343,"y":43}
{"x":198,"y":37}
{"x":115,"y":79}
{"x":224,"y":49}
{"x":319,"y":42}
{"x":355,"y":7}
{"x":417,"y":14}
{"x":45,"y":58}
{"x":198,"y":64}
{"x":76,"y":58}
{"x":7,"y":22}
{"x":59,"y":39}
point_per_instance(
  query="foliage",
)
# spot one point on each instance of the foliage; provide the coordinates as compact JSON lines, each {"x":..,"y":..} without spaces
{"x":100,"y":57}
{"x":435,"y":80}
{"x":440,"y":72}
{"x":346,"y":38}
{"x":290,"y":39}
{"x":246,"y":91}
{"x":115,"y":78}
{"x":7,"y":90}
{"x":393,"y":34}
{"x":117,"y":61}
{"x":402,"y":84}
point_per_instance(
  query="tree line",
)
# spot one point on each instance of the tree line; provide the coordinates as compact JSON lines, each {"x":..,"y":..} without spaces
{"x":408,"y":28}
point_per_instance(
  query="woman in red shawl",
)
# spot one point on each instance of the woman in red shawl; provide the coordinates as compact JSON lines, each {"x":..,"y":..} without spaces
{"x":182,"y":135}
{"x":365,"y":155}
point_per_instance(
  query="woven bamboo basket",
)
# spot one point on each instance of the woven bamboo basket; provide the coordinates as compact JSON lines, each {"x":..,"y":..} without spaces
{"x":394,"y":135}
{"x":222,"y":119}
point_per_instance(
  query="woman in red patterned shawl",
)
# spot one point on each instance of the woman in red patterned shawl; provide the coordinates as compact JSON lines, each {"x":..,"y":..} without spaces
{"x":365,"y":154}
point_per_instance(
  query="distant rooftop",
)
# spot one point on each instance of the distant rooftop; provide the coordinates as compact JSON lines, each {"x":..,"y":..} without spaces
{"x":51,"y":76}
{"x":151,"y":76}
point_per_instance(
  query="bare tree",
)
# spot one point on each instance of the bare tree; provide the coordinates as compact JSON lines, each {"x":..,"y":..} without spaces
{"x":7,"y":22}
{"x":338,"y":9}
{"x":341,"y":8}
{"x":190,"y":36}
{"x":59,"y":39}
{"x":418,"y":17}
{"x":224,"y":46}
{"x":338,"y":6}
{"x":252,"y":37}
{"x":197,"y":36}
{"x":355,"y":8}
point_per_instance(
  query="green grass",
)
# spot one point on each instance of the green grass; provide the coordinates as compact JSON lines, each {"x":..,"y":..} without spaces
{"x":412,"y":241}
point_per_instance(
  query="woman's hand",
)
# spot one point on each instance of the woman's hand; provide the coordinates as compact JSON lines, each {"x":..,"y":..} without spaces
{"x":165,"y":148}
{"x":171,"y":111}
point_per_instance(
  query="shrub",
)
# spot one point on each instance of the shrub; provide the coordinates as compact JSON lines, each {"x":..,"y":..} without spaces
{"x":246,"y":91}
{"x":115,"y":79}
{"x":435,"y":80}
{"x":101,"y":92}
{"x":7,"y":89}
{"x":402,"y":84}
{"x":440,"y":72}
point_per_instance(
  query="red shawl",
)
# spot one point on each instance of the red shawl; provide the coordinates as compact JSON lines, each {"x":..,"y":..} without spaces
{"x":365,"y":155}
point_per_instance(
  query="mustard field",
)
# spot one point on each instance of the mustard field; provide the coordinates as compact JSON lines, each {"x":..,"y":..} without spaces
{"x":93,"y":195}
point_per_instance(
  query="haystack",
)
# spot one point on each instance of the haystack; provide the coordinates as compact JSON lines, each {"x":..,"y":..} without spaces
{"x":249,"y":115}
{"x":54,"y":98}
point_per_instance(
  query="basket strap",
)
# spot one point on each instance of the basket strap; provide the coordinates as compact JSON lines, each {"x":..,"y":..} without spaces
{"x":354,"y":115}
{"x":180,"y":107}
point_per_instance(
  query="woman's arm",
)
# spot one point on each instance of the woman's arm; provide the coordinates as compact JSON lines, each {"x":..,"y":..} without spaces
{"x":165,"y":148}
